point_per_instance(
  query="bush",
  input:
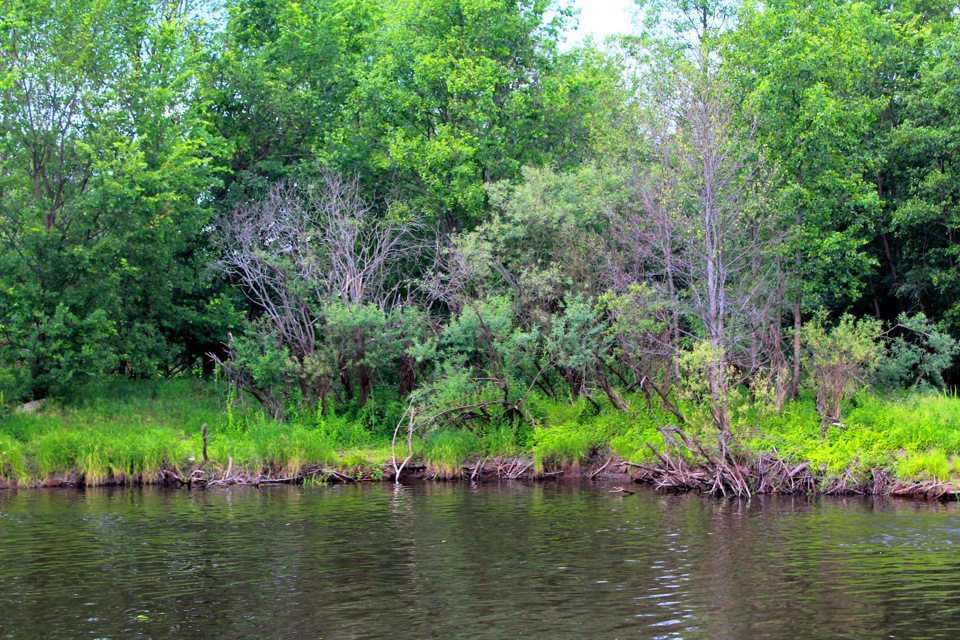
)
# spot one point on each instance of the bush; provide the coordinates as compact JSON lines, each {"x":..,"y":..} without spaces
{"x":836,"y":357}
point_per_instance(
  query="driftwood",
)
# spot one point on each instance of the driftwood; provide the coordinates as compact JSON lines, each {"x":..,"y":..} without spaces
{"x":686,"y":464}
{"x":31,"y":407}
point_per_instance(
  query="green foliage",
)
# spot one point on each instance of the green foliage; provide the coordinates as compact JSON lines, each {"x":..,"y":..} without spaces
{"x":288,"y":447}
{"x":452,"y":94}
{"x":447,"y":450}
{"x":928,"y":465}
{"x":346,"y":433}
{"x":279,"y":80}
{"x":13,"y":460}
{"x":577,"y":341}
{"x":506,"y":439}
{"x":545,"y":232}
{"x":918,"y":357}
{"x":900,"y":435}
{"x":837,"y":357}
{"x":563,"y":443}
{"x":105,"y":169}
{"x":569,"y":433}
{"x":799,"y":67}
{"x":124,"y":430}
{"x":132,"y":134}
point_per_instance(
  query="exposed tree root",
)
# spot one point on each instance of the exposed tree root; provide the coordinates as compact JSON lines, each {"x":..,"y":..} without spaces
{"x":682,"y":464}
{"x":685,"y":464}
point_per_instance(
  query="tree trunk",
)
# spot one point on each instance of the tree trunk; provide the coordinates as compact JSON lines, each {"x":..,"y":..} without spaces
{"x":797,"y":323}
{"x":364,"y":384}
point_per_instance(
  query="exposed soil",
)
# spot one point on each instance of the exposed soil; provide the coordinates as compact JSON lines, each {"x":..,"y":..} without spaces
{"x":683,"y":465}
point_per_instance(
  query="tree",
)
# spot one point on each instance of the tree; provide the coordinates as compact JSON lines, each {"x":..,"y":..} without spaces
{"x":453,"y":94}
{"x":838,"y":357}
{"x":800,"y":67}
{"x":319,"y":269}
{"x":703,"y":238}
{"x":105,"y":162}
{"x":917,"y":174}
{"x":697,"y":250}
{"x":538,"y":256}
{"x":280,"y":77}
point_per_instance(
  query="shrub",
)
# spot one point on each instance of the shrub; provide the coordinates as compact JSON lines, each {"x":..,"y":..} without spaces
{"x":836,"y":357}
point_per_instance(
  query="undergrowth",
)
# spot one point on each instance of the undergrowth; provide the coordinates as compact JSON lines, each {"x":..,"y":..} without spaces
{"x":125,"y":431}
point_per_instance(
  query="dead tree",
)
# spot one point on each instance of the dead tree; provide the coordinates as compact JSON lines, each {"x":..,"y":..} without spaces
{"x":700,"y":239}
{"x":302,"y":247}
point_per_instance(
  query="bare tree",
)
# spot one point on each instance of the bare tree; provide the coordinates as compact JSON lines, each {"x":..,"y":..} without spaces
{"x":301,"y":247}
{"x":701,"y":237}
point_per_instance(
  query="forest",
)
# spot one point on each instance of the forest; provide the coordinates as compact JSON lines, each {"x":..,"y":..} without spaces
{"x":345,"y":236}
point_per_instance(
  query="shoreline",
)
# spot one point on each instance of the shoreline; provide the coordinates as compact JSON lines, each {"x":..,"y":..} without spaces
{"x":186,"y":432}
{"x":762,"y":478}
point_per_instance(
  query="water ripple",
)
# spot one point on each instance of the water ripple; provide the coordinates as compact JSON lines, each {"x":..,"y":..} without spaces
{"x":451,"y":561}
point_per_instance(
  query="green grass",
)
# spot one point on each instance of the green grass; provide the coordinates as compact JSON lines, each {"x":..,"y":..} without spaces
{"x":276,"y":446}
{"x":122,"y":431}
{"x":446,"y":451}
{"x":914,"y":436}
{"x":569,"y":433}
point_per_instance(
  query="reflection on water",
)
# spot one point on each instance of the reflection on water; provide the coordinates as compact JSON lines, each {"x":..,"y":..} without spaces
{"x":455,"y":561}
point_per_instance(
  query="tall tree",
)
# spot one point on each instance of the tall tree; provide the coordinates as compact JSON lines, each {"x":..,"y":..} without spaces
{"x":916,"y":175}
{"x":280,"y":80}
{"x":103,"y":168}
{"x":456,"y":93}
{"x":799,"y":67}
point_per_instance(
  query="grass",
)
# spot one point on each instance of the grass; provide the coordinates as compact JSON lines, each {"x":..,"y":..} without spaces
{"x":915,"y":436}
{"x":446,"y":451}
{"x":122,"y":430}
{"x":572,"y":432}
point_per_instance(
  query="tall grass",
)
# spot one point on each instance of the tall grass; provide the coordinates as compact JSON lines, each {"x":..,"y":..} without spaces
{"x":122,"y":431}
{"x":126,"y":431}
{"x":270,"y":445}
{"x":912,"y":435}
{"x":445,"y":451}
{"x":570,"y":433}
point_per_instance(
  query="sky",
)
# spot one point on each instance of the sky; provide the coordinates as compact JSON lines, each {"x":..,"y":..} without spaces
{"x":602,"y":18}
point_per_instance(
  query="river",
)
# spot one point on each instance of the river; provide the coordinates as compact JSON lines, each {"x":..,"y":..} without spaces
{"x":458,"y":561}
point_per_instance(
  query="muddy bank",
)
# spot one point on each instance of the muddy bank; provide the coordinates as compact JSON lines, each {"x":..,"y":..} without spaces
{"x":763,"y":474}
{"x":721,"y":475}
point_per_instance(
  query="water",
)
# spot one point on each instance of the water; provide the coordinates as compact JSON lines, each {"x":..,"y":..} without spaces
{"x":455,"y":561}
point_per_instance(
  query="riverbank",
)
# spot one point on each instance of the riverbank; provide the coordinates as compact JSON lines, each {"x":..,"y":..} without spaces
{"x":125,"y":432}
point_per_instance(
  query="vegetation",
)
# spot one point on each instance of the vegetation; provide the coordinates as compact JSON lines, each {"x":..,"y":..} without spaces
{"x":131,"y":432}
{"x":350,"y":232}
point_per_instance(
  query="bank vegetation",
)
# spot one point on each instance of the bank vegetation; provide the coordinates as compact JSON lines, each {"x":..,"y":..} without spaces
{"x":364,"y":239}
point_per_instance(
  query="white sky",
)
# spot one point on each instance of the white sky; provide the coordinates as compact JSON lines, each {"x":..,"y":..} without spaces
{"x":602,"y":18}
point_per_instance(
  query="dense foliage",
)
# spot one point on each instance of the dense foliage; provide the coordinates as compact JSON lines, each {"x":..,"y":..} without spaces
{"x":437,"y":214}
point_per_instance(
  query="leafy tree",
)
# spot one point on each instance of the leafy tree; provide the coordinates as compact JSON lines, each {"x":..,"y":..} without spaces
{"x":453,"y":94}
{"x":800,"y":67}
{"x":838,"y":357}
{"x":280,"y":77}
{"x":918,"y":356}
{"x":918,"y":177}
{"x":104,"y":165}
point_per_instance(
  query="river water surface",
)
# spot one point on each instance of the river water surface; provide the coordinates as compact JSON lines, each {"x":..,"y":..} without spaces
{"x":454,"y":561}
